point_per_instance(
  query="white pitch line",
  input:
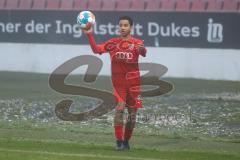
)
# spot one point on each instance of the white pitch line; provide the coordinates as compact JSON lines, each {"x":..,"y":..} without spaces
{"x":77,"y":154}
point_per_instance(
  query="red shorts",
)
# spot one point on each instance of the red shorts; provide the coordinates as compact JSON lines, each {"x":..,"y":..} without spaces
{"x":126,"y":89}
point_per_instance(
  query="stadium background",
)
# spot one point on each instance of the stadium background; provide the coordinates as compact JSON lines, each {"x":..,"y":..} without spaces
{"x":197,"y":40}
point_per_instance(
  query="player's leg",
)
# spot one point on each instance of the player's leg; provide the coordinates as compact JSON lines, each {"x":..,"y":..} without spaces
{"x":132,"y":103}
{"x":129,"y":126}
{"x":120,"y":95}
{"x":118,"y":125}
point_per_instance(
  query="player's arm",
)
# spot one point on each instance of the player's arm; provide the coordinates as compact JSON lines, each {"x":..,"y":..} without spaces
{"x":96,"y":48}
{"x":141,"y":48}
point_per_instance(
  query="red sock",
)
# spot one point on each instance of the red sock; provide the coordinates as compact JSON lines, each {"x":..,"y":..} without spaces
{"x":118,"y":132}
{"x":128,"y":133}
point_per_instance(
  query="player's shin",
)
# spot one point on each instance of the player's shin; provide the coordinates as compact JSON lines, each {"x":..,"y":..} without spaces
{"x":130,"y":124}
{"x":118,"y":122}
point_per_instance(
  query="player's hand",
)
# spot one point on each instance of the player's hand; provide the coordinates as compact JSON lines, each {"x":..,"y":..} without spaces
{"x":87,"y":30}
{"x":141,"y":46}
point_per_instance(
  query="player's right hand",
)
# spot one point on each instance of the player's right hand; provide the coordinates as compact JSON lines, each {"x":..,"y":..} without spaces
{"x":87,"y":30}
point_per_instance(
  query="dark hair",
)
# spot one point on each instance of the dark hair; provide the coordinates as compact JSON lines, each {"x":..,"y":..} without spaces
{"x":126,"y":18}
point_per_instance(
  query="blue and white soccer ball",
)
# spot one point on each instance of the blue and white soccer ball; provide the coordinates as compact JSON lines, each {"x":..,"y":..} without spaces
{"x":86,"y":19}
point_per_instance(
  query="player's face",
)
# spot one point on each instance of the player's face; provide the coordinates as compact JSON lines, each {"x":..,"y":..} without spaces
{"x":124,"y":28}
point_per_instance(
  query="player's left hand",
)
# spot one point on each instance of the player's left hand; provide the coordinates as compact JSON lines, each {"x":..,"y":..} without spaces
{"x":141,"y":47}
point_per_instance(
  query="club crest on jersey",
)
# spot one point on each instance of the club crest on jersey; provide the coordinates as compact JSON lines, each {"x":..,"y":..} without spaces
{"x":131,"y":46}
{"x":124,"y":55}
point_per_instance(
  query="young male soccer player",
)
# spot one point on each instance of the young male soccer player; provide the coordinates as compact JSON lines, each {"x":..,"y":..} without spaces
{"x":124,"y":53}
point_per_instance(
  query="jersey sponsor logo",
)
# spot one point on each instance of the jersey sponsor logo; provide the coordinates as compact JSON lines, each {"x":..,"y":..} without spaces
{"x":124,"y":55}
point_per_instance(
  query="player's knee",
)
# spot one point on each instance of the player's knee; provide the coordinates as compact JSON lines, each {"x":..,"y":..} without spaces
{"x":132,"y":117}
{"x":130,"y":124}
{"x":131,"y":121}
{"x":120,"y":106}
{"x":118,"y":118}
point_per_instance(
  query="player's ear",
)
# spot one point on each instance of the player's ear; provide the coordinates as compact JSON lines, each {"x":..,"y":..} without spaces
{"x":131,"y":27}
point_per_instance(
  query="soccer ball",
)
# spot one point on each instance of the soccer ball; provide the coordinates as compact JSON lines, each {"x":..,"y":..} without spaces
{"x":86,"y":19}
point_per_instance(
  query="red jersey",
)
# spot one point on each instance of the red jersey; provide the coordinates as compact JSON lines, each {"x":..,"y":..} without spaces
{"x":124,"y":53}
{"x":124,"y":56}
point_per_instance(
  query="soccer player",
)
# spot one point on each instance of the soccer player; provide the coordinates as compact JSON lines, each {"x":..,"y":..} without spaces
{"x":124,"y":53}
